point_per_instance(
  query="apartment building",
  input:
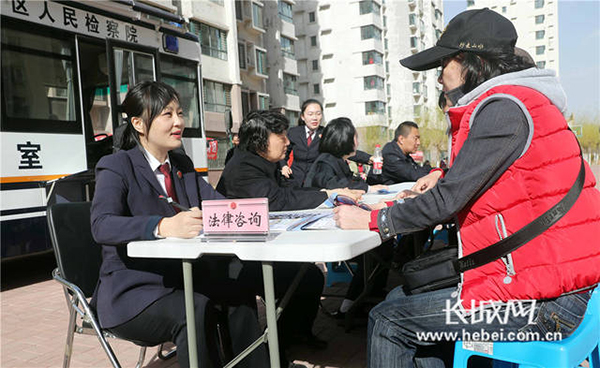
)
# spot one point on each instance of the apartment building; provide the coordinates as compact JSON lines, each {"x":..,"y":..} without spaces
{"x":349,"y":52}
{"x":282,"y":66}
{"x":536,"y":22}
{"x":252,"y":55}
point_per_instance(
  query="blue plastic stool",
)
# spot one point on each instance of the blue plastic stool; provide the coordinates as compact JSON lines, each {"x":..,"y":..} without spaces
{"x":338,"y":272}
{"x":567,"y":353}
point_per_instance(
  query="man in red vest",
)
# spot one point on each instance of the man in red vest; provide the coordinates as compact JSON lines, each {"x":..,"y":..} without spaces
{"x":512,"y":159}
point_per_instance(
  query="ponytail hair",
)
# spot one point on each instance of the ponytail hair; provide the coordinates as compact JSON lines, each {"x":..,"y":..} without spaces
{"x":146,"y":100}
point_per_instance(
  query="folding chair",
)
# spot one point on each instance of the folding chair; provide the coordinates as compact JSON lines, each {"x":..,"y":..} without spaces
{"x":78,"y":258}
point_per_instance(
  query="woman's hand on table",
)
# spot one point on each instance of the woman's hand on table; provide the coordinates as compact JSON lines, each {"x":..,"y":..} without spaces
{"x":185,"y":224}
{"x":351,"y":217}
{"x":355,"y":194}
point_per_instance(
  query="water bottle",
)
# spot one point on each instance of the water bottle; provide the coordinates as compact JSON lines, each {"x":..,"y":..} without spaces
{"x":377,"y":161}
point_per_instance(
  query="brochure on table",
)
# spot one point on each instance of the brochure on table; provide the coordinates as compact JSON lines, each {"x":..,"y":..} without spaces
{"x":394,"y":189}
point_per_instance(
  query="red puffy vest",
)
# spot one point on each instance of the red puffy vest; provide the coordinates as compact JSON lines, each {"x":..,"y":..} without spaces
{"x":565,"y":257}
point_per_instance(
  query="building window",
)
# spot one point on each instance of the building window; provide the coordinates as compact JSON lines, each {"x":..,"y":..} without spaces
{"x":328,"y":56}
{"x":289,"y":84}
{"x":384,"y":21}
{"x":539,"y":4}
{"x":470,"y":3}
{"x":219,"y":2}
{"x":385,"y":44}
{"x":413,"y":42}
{"x":416,"y":87}
{"x":261,"y":62}
{"x":330,"y":105}
{"x":504,"y":10}
{"x":217,"y":96}
{"x":412,"y":19}
{"x":312,"y":17}
{"x":369,"y":6}
{"x":387,"y":66}
{"x":540,"y":34}
{"x":287,"y":48}
{"x":539,"y":19}
{"x":213,"y":41}
{"x":372,"y":57}
{"x":370,"y":31}
{"x":313,"y":41}
{"x":242,"y":54}
{"x":540,"y":50}
{"x":373,"y":82}
{"x":374,"y":108}
{"x":438,"y":34}
{"x":292,"y":117}
{"x":540,"y":64}
{"x":315,"y":65}
{"x":238,"y":10}
{"x":388,"y":89}
{"x":263,"y":102}
{"x":328,"y":81}
{"x":285,"y":11}
{"x":257,"y":16}
{"x":316,"y":89}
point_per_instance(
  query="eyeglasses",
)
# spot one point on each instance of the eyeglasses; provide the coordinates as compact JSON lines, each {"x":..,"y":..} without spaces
{"x":344,"y":200}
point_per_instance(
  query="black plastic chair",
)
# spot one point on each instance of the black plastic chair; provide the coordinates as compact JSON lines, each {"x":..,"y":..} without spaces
{"x":78,"y":258}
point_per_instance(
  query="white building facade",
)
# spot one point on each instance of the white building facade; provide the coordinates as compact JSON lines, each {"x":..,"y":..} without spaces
{"x":348,"y":57}
{"x":536,"y":22}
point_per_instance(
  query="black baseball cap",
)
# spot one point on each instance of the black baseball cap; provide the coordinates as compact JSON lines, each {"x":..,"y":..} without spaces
{"x":479,"y":31}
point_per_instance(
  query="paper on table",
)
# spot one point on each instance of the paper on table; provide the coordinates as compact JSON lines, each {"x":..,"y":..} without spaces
{"x":394,"y":189}
{"x":293,"y":220}
{"x":323,"y":223}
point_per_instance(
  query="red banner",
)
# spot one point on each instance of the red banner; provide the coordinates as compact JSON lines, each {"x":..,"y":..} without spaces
{"x":417,"y":156}
{"x":212,"y":149}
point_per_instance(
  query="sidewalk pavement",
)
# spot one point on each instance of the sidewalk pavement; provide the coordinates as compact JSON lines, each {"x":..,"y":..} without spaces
{"x":34,"y":321}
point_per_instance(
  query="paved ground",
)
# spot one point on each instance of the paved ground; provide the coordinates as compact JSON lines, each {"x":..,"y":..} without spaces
{"x":34,"y":323}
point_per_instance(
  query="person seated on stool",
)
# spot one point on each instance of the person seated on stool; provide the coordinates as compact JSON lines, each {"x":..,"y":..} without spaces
{"x":330,"y":170}
{"x":142,"y":299}
{"x":513,"y":158}
{"x":254,"y":172}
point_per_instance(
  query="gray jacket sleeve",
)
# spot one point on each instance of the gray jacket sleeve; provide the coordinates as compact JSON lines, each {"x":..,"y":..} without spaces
{"x":496,"y":139}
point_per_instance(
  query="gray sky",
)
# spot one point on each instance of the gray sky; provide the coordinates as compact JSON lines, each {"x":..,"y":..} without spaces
{"x":579,"y":48}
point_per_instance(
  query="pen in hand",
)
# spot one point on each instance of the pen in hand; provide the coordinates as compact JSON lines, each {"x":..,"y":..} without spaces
{"x":170,"y":201}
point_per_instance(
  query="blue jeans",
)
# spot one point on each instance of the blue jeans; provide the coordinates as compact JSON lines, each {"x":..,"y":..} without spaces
{"x":398,"y":326}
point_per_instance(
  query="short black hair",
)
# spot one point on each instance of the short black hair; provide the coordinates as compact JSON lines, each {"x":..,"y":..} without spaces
{"x":145,"y":100}
{"x":404,"y":129}
{"x":256,"y":128}
{"x":338,"y":137}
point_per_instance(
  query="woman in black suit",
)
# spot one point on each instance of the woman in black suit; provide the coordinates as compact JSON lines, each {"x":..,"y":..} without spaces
{"x":304,"y":144}
{"x":141,"y":299}
{"x":330,"y":170}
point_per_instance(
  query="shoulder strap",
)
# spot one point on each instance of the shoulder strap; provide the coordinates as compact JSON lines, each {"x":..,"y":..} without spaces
{"x":525,"y":234}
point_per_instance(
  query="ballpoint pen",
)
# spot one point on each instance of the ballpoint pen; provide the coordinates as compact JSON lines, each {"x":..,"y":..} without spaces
{"x":170,"y":201}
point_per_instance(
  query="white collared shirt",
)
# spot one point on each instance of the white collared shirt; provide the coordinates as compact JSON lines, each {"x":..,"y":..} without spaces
{"x":308,"y":131}
{"x":154,"y":165}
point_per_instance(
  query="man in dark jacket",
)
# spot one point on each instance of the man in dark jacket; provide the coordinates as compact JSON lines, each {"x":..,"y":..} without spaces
{"x":398,"y":166}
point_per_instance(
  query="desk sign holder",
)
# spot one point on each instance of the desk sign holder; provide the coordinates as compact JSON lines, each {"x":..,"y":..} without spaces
{"x":236,"y":219}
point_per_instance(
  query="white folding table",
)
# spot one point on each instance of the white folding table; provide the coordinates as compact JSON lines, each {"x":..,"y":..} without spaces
{"x":291,"y":246}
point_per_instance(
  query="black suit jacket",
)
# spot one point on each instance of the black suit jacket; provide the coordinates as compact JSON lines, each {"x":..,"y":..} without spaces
{"x":399,"y":167}
{"x":126,"y":208}
{"x":305,"y":155}
{"x":248,"y":175}
{"x":332,"y":172}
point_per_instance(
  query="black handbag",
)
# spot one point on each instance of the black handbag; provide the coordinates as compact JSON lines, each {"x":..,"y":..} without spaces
{"x":441,"y":268}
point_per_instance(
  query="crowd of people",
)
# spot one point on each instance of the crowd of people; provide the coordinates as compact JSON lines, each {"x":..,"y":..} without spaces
{"x":512,"y":157}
